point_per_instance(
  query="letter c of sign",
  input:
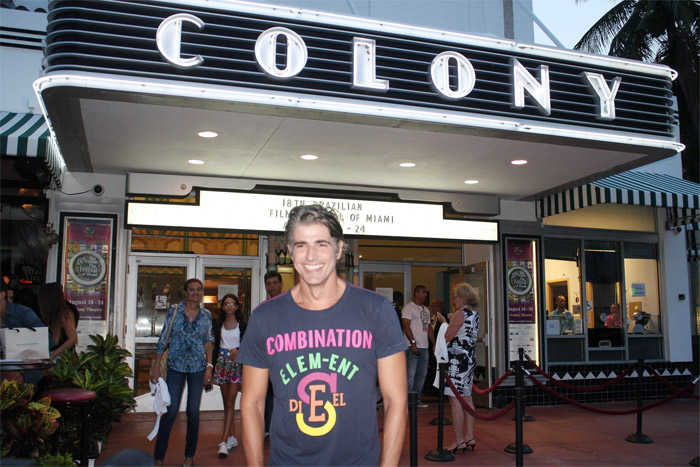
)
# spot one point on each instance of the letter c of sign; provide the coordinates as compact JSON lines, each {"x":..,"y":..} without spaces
{"x":168,"y":38}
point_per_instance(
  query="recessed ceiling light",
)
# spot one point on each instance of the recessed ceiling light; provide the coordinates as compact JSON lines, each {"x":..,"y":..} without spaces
{"x":407,"y":164}
{"x":519,"y":162}
{"x":208,"y":134}
{"x":309,"y":157}
{"x":196,"y":161}
{"x":471,"y":182}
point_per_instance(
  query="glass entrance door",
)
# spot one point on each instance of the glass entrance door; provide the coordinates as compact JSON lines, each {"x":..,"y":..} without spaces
{"x":153,"y":284}
{"x":156,"y":281}
{"x":225,"y":275}
{"x":387,"y":279}
{"x":476,"y":275}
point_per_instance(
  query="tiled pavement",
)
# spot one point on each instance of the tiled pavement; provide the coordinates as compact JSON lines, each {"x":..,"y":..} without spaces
{"x":560,"y":435}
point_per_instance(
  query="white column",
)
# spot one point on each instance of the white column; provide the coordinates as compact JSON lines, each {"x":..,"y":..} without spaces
{"x":675,"y":281}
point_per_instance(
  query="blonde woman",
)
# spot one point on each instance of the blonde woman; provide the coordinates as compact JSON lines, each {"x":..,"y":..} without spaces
{"x":461,"y":336}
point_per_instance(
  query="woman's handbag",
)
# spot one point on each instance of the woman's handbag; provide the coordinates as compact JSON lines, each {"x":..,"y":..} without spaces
{"x":164,"y":358}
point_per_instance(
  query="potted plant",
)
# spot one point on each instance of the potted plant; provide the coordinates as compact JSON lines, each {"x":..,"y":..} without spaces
{"x":26,"y":425}
{"x":102,"y":368}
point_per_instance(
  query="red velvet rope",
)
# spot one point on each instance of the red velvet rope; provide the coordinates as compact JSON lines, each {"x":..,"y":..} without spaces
{"x":605,"y":385}
{"x":495,"y":385}
{"x":667,"y":384}
{"x":472,"y":412}
{"x":612,"y":412}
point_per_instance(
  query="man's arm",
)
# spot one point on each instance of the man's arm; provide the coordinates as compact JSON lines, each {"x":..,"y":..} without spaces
{"x":391,"y":371}
{"x":253,"y":412}
{"x":406,"y":325}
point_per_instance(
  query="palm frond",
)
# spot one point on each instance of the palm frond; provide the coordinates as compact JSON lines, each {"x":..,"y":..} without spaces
{"x":595,"y":40}
{"x":633,"y":40}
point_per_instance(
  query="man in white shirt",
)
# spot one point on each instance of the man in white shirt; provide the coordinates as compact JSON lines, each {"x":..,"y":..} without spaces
{"x":415,"y":319}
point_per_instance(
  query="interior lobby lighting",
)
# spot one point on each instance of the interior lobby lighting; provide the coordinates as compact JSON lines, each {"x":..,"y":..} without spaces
{"x":519,"y":162}
{"x":195,"y":161}
{"x":309,"y":157}
{"x":471,"y":182}
{"x":208,"y":134}
{"x":407,"y":164}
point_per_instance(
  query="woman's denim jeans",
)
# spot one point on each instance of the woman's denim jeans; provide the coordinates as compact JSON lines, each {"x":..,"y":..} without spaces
{"x":176,"y":385}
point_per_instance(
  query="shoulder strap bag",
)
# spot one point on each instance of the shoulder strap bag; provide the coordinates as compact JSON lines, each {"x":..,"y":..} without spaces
{"x":164,"y":358}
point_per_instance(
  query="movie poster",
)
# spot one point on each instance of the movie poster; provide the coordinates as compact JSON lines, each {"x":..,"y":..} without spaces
{"x":521,"y":291}
{"x":87,"y":260}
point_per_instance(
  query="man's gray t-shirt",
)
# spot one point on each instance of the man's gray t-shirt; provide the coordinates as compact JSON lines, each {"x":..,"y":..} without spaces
{"x":323,"y":368}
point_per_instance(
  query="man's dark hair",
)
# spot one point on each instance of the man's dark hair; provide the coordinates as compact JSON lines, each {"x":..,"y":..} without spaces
{"x":417,"y":288}
{"x":3,"y":287}
{"x":313,"y":214}
{"x":271,"y":274}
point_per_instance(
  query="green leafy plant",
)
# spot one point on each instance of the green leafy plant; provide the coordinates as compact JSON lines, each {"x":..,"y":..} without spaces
{"x":26,"y":425}
{"x":102,"y":368}
{"x":58,"y":460}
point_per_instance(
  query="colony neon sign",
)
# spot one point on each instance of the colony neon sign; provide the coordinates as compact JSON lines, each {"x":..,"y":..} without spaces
{"x":169,"y":34}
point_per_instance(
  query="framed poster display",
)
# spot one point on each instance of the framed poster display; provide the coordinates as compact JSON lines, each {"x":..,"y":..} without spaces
{"x":522,"y":296}
{"x":86,"y":266}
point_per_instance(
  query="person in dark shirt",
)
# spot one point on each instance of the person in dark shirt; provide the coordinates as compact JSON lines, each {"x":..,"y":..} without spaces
{"x":13,"y":315}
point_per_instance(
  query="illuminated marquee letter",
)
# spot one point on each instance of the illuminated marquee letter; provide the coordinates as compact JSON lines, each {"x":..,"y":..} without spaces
{"x":539,"y":90}
{"x":266,"y":53}
{"x":169,"y":36}
{"x":364,"y":65}
{"x":440,"y":75}
{"x":604,"y":96}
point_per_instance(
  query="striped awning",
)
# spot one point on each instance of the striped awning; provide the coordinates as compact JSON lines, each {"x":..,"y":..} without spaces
{"x":27,"y":135}
{"x":632,"y":187}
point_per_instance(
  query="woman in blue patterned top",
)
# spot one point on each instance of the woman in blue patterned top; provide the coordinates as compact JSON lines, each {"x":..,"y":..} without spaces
{"x":189,"y":360}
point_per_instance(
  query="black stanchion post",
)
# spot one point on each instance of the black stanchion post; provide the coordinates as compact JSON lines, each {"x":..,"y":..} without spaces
{"x":440,"y":454}
{"x":413,"y":416}
{"x":519,"y":394}
{"x":639,"y":437}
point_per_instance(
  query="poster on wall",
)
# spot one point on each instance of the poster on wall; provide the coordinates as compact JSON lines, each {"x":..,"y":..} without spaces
{"x":86,"y":269}
{"x":521,"y":297}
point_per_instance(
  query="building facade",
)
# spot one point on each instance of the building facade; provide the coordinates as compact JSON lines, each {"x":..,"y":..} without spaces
{"x":178,"y":134}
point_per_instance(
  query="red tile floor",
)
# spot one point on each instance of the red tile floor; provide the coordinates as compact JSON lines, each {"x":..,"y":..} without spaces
{"x":561,"y":435}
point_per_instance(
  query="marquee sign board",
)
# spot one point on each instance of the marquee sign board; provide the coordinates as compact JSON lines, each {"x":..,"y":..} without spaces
{"x":232,"y":51}
{"x":269,"y":213}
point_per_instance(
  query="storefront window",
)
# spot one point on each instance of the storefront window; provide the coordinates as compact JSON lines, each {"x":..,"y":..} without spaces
{"x":603,"y":278}
{"x":201,"y":243}
{"x":615,"y":311}
{"x":643,"y":317}
{"x":565,"y":319}
{"x":410,"y":251}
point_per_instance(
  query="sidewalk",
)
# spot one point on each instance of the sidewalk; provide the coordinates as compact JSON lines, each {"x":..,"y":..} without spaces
{"x":560,"y":435}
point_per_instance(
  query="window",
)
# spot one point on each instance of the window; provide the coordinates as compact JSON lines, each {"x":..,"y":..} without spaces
{"x":603,"y":278}
{"x":201,"y":243}
{"x":614,"y":313}
{"x":565,"y":319}
{"x":643,"y":316}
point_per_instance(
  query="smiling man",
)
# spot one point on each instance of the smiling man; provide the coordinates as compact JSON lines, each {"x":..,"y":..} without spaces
{"x":323,"y":345}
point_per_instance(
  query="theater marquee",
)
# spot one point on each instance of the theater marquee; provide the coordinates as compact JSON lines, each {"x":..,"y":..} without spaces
{"x":259,"y":58}
{"x":268,"y":213}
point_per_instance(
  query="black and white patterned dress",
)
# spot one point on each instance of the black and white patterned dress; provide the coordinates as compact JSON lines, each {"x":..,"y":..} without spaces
{"x":462,"y":353}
